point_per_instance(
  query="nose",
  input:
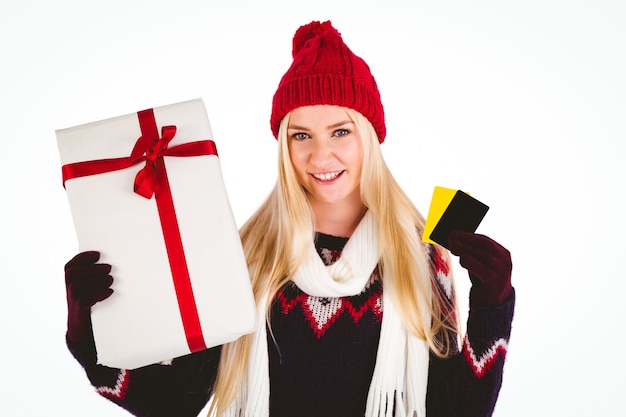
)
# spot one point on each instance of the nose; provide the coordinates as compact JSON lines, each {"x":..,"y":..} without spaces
{"x":321,"y":153}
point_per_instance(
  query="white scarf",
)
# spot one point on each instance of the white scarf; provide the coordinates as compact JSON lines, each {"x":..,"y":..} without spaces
{"x":401,"y":372}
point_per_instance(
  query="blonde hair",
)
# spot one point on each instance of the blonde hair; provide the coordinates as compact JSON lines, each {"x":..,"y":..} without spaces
{"x":276,"y":236}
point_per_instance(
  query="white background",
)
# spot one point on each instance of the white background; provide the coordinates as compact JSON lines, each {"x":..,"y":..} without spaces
{"x":522,"y":103}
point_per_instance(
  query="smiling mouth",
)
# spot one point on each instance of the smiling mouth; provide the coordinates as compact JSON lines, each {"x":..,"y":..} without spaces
{"x":327,"y":176}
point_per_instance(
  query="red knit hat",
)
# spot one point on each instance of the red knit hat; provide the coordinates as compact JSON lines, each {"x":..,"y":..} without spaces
{"x":325,"y":71}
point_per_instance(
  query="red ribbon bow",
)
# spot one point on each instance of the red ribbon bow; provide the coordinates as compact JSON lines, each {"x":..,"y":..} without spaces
{"x":150,"y":147}
{"x":152,"y":180}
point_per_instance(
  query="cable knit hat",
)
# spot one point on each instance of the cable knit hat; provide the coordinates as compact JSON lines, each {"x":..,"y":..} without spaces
{"x":325,"y":71}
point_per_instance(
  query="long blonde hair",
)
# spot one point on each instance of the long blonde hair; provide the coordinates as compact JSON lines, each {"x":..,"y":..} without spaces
{"x":276,"y":236}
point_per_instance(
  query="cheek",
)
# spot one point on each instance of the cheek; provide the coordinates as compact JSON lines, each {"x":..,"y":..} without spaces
{"x":297,"y":160}
{"x":299,"y":169}
{"x":359,"y":165}
{"x":357,"y":158}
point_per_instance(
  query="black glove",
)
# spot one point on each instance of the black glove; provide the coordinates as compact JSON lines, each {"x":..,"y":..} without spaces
{"x":86,"y":282}
{"x":488,"y":263}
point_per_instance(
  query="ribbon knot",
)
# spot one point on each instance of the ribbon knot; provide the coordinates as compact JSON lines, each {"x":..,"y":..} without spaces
{"x":147,"y":179}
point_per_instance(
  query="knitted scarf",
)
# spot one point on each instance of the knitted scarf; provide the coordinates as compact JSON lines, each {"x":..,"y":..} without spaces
{"x":398,"y":386}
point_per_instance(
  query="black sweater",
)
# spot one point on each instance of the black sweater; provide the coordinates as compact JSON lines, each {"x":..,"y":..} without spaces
{"x":322,"y":358}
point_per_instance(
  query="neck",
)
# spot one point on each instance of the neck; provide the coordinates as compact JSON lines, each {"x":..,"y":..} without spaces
{"x":337,"y":220}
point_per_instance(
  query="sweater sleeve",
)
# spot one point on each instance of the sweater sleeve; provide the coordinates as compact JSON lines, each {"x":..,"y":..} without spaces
{"x":181,"y":388}
{"x":468,"y":382}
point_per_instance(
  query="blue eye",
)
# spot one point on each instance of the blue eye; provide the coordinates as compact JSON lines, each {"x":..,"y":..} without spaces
{"x":341,"y":132}
{"x":300,"y":136}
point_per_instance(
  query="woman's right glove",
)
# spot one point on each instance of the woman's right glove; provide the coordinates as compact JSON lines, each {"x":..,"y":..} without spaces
{"x":86,"y":283}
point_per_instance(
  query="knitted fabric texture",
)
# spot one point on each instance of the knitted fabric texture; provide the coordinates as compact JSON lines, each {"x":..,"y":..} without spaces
{"x":326,"y":71}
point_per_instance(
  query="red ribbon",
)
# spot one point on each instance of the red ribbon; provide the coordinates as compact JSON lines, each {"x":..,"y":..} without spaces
{"x":152,"y":180}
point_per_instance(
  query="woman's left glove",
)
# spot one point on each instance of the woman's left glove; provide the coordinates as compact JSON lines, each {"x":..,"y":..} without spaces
{"x":488,"y":263}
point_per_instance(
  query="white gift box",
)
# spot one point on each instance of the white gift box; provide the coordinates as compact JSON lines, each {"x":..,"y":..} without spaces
{"x":144,"y":321}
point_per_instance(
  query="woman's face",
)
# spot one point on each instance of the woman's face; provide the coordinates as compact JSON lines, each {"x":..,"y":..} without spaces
{"x":327,"y":154}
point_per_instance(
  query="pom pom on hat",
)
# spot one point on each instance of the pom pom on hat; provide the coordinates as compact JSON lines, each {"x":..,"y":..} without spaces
{"x":326,"y":71}
{"x":310,"y":31}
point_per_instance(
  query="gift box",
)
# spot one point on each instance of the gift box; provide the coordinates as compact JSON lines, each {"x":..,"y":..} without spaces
{"x":146,"y":190}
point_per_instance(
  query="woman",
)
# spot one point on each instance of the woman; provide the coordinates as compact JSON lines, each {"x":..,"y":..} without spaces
{"x":333,"y":233}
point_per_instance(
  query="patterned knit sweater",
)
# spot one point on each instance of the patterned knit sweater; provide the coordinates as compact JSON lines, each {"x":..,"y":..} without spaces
{"x":322,"y":358}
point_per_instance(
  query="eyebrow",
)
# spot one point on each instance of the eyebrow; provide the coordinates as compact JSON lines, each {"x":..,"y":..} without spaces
{"x":334,"y":125}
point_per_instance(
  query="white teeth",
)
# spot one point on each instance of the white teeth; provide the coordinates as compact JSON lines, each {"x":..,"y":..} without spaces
{"x":327,"y":176}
